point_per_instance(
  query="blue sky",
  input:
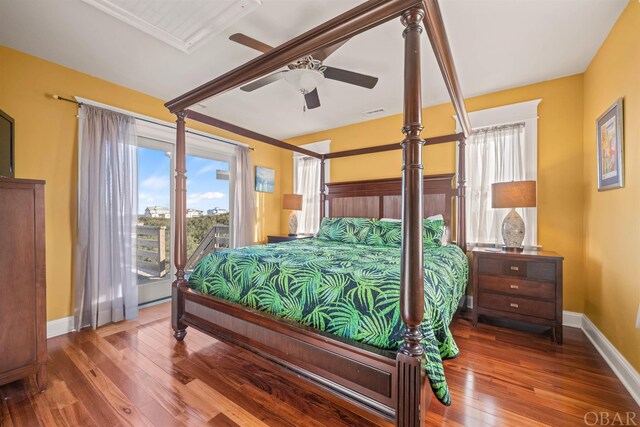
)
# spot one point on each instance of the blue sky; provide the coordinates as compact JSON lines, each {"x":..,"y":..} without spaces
{"x":204,"y":191}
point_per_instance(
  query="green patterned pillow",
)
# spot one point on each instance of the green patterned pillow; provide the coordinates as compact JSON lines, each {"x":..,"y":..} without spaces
{"x":345,"y":230}
{"x":432,"y":231}
{"x":385,"y":233}
{"x":389,"y":233}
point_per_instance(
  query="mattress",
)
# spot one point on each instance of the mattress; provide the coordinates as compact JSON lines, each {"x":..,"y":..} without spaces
{"x":350,"y":290}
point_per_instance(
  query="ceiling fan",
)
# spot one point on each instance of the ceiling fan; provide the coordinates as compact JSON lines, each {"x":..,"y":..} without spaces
{"x":305,"y":74}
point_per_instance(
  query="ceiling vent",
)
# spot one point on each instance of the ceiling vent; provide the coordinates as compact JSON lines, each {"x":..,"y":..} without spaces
{"x":183,"y":24}
{"x":374,"y":112}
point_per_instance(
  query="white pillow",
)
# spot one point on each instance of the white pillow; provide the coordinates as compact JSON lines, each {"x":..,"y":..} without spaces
{"x":444,"y":240}
{"x":391,"y":219}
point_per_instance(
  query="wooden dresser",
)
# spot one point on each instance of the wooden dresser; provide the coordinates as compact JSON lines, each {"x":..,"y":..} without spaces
{"x":525,"y":286}
{"x":23,"y":320}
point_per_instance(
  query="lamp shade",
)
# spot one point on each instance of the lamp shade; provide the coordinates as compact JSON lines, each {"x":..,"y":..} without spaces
{"x":292,"y":202}
{"x":514,"y":194}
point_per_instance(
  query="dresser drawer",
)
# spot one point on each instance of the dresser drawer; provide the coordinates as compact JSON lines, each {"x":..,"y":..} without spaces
{"x":539,"y":270}
{"x":522,"y":306}
{"x":517,"y":287}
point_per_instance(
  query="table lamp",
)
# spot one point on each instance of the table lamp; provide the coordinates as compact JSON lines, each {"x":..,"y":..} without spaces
{"x":514,"y":194}
{"x":293,"y":202}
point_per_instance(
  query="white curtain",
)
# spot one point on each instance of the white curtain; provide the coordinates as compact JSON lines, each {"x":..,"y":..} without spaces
{"x":308,"y":185}
{"x":495,"y":154}
{"x":106,"y":281}
{"x":244,"y":211}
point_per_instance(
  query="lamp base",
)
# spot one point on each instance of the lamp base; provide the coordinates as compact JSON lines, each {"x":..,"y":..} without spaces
{"x":513,"y":230}
{"x":293,"y":224}
{"x":512,"y":248}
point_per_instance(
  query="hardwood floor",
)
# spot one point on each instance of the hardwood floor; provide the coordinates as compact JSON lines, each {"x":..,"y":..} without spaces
{"x":134,"y":373}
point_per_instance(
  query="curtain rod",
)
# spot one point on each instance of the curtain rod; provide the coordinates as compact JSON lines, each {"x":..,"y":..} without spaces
{"x":498,"y":127}
{"x":159,"y":123}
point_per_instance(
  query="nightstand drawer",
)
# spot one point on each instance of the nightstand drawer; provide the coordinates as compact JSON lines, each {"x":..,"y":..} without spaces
{"x":517,"y":268}
{"x":505,"y":267}
{"x":522,"y":306}
{"x":541,"y":270}
{"x":517,"y":287}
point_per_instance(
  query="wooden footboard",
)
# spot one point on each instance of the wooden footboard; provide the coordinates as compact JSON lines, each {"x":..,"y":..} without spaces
{"x":363,"y":375}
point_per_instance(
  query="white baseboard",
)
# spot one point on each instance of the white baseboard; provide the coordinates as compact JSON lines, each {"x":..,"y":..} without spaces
{"x":572,"y":319}
{"x":60,"y":326}
{"x":627,"y":374}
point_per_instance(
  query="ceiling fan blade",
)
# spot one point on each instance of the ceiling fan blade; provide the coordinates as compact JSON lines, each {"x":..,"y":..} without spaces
{"x":350,"y":77}
{"x":263,"y":81}
{"x":312,"y":99}
{"x":322,"y":54}
{"x":245,"y":40}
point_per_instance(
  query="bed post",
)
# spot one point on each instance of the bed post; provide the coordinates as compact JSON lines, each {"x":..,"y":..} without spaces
{"x":322,"y":189}
{"x":411,"y":396}
{"x":461,"y":201}
{"x":180,"y":230}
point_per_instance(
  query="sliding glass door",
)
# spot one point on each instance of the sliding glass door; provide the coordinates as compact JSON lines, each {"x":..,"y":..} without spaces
{"x":210,"y":180}
{"x":153,"y":236}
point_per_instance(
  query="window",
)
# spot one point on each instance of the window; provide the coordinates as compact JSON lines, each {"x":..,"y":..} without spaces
{"x":306,"y":181}
{"x":503,"y":148}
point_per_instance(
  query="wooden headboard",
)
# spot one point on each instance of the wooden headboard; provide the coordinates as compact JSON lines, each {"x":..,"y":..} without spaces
{"x":382,"y":198}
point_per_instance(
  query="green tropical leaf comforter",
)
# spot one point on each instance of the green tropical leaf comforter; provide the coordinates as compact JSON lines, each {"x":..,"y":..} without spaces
{"x":351,"y":290}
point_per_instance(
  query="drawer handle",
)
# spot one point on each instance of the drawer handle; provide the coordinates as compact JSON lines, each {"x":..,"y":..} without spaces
{"x":514,"y":286}
{"x":514,"y":305}
{"x":514,"y":268}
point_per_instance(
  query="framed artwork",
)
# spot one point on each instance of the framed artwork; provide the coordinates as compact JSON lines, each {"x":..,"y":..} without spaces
{"x":265,"y":179}
{"x":610,"y":134}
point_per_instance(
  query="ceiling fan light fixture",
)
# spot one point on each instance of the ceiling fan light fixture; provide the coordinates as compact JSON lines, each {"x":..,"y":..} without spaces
{"x":304,"y":80}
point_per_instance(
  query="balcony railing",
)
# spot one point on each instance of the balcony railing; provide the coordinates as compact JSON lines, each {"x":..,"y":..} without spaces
{"x":151,"y":251}
{"x":217,"y":239}
{"x":153,"y":256}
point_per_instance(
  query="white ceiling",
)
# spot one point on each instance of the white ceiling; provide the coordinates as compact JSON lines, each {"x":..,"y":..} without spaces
{"x":496,"y":44}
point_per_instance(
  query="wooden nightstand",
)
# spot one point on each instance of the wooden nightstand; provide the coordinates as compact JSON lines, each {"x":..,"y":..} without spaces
{"x":524,"y":286}
{"x":286,"y":238}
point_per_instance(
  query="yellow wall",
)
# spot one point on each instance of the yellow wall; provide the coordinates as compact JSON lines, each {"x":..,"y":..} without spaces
{"x":46,"y":148}
{"x":612,"y":224}
{"x":559,"y":162}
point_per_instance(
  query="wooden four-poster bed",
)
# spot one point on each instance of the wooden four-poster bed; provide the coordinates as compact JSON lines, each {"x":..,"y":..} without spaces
{"x":391,"y":384}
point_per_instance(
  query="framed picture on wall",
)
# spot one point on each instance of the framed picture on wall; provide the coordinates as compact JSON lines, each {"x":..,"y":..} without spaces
{"x":610,"y":135}
{"x":265,"y":179}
